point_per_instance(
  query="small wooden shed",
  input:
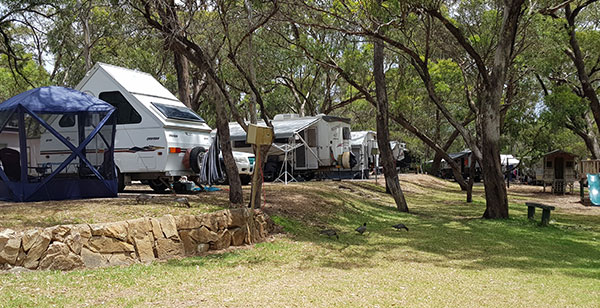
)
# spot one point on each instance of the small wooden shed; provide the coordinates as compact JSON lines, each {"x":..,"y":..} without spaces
{"x":559,"y":170}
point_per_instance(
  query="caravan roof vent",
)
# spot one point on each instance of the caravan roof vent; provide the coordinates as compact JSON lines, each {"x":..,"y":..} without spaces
{"x":286,"y":116}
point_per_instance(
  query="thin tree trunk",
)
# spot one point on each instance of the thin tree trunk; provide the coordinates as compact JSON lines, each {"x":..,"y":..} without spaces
{"x":383,"y":139}
{"x":435,"y":166}
{"x":86,"y":37}
{"x":182,"y":67}
{"x":578,"y":59}
{"x":259,"y":167}
{"x":236,"y":196}
{"x":471,"y":180}
{"x":249,"y":58}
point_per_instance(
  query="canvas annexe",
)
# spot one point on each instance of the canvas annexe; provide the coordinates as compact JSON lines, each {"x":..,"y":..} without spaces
{"x":158,"y":139}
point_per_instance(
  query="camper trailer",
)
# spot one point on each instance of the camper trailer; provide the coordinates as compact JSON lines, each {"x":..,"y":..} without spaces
{"x":158,"y":139}
{"x":315,"y":145}
{"x":463,"y":159}
{"x":365,"y":149}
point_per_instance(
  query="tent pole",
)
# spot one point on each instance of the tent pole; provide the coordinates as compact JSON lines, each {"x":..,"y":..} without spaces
{"x":23,"y":149}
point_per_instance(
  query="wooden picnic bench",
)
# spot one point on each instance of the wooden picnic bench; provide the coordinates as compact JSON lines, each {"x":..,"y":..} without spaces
{"x":545,"y":211}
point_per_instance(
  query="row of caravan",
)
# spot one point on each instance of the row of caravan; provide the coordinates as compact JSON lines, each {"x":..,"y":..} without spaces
{"x":158,"y":139}
{"x":319,"y":146}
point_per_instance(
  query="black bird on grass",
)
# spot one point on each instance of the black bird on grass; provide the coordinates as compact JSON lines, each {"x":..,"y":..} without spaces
{"x":400,"y":226}
{"x":329,"y":233}
{"x":362,"y":228}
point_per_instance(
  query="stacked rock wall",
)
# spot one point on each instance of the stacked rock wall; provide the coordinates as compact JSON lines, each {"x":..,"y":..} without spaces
{"x":143,"y":240}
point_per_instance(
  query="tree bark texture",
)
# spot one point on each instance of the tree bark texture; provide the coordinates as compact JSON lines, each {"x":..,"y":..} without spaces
{"x":236,"y":196}
{"x":259,"y":167}
{"x":578,"y":59}
{"x":182,"y":67}
{"x":383,"y":139}
{"x":490,"y":116}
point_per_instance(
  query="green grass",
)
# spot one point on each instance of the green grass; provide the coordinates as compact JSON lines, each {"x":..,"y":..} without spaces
{"x":450,"y":257}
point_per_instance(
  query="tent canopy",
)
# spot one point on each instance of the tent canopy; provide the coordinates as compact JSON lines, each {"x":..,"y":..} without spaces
{"x":88,"y":151}
{"x":56,"y":100}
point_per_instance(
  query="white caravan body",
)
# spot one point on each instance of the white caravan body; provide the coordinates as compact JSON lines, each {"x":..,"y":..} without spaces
{"x":154,"y":129}
{"x":363,"y":143}
{"x":308,"y":144}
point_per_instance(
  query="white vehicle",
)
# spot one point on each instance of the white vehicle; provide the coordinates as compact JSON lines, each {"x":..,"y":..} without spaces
{"x":154,"y":132}
{"x":313,"y":145}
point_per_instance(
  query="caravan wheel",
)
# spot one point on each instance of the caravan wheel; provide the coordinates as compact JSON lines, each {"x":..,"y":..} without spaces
{"x":196,"y":156}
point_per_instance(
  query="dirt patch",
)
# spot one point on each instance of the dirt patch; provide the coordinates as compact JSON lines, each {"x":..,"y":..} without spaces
{"x":568,"y":203}
{"x":302,"y":201}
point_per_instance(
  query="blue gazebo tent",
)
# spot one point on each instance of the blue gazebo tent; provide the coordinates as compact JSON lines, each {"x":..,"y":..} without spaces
{"x":79,"y":163}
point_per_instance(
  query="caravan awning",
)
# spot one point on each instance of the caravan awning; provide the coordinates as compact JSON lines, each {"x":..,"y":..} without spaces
{"x":282,"y":128}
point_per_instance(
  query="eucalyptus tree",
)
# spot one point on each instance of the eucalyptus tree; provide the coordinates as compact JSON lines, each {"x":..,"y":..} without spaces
{"x":22,"y":41}
{"x":218,"y":38}
{"x":567,"y":68}
{"x":90,"y":31}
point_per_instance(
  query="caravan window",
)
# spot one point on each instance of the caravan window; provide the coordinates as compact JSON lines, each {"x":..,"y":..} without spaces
{"x":68,"y":120}
{"x":178,"y":113}
{"x":125,"y":112}
{"x":346,"y":133}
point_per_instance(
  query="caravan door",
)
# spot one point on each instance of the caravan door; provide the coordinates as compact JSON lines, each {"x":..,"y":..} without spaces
{"x":312,"y":162}
{"x":305,"y":156}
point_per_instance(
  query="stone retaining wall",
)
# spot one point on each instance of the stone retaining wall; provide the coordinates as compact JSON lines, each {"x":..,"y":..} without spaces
{"x":68,"y":247}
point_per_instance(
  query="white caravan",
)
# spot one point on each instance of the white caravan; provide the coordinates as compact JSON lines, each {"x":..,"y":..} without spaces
{"x":314,"y":145}
{"x":365,"y":148}
{"x":154,"y":130}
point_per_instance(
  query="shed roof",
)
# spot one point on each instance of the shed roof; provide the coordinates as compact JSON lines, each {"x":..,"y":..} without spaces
{"x":559,"y":152}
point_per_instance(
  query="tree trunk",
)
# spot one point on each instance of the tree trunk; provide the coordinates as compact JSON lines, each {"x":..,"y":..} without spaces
{"x":182,"y":68}
{"x":471,"y":180}
{"x":495,"y":190}
{"x":490,"y":116}
{"x":236,"y":196}
{"x":436,"y":165}
{"x":258,"y":168}
{"x":249,"y":58}
{"x":86,"y":37}
{"x":383,"y":139}
{"x":590,"y":139}
{"x":578,"y":59}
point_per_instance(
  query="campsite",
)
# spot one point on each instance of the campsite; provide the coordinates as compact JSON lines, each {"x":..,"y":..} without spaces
{"x":275,"y":153}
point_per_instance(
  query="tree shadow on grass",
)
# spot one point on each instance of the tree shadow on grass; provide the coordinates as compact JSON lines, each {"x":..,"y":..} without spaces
{"x":455,"y":236}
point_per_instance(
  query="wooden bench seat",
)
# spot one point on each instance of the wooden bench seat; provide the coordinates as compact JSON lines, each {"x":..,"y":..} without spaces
{"x":545,"y":211}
